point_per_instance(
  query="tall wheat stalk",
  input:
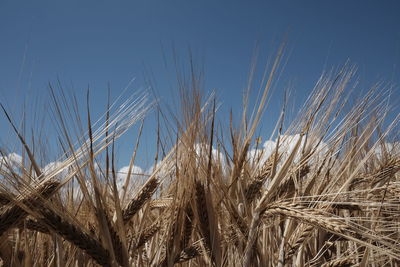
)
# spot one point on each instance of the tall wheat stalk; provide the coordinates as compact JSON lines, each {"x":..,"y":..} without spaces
{"x":325,"y":194}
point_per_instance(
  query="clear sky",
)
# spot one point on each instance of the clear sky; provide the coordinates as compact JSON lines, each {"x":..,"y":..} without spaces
{"x":99,"y":42}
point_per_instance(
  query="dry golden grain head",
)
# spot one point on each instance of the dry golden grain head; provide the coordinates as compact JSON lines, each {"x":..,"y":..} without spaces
{"x":76,"y":236}
{"x":142,"y":197}
{"x":328,"y":194}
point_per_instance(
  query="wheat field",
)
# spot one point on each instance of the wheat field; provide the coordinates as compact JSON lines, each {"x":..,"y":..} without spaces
{"x":324,"y":190}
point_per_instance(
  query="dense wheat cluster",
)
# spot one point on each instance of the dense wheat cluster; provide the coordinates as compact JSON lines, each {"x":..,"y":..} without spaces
{"x":323,"y":191}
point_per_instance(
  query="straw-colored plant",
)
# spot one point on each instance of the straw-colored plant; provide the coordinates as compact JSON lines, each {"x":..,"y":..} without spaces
{"x":326,"y":194}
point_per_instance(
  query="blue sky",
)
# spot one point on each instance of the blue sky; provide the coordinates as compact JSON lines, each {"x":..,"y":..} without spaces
{"x":94,"y":43}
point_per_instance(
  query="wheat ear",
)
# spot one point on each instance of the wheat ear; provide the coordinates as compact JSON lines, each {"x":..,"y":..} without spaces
{"x":36,"y":226}
{"x":14,"y":215}
{"x":148,"y":233}
{"x":310,"y":216}
{"x":144,"y":195}
{"x":76,"y":236}
{"x":189,"y":253}
{"x":202,"y":213}
{"x":254,"y":188}
{"x":306,"y":233}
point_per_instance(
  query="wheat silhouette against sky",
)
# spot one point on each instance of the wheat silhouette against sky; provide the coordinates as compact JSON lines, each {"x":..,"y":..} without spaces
{"x":199,"y":133}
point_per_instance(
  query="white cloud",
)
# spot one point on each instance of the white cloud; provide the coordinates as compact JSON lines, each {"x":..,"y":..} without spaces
{"x":203,"y":150}
{"x":55,"y":166}
{"x":260,"y":155}
{"x":286,"y":146}
{"x":137,"y":176}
